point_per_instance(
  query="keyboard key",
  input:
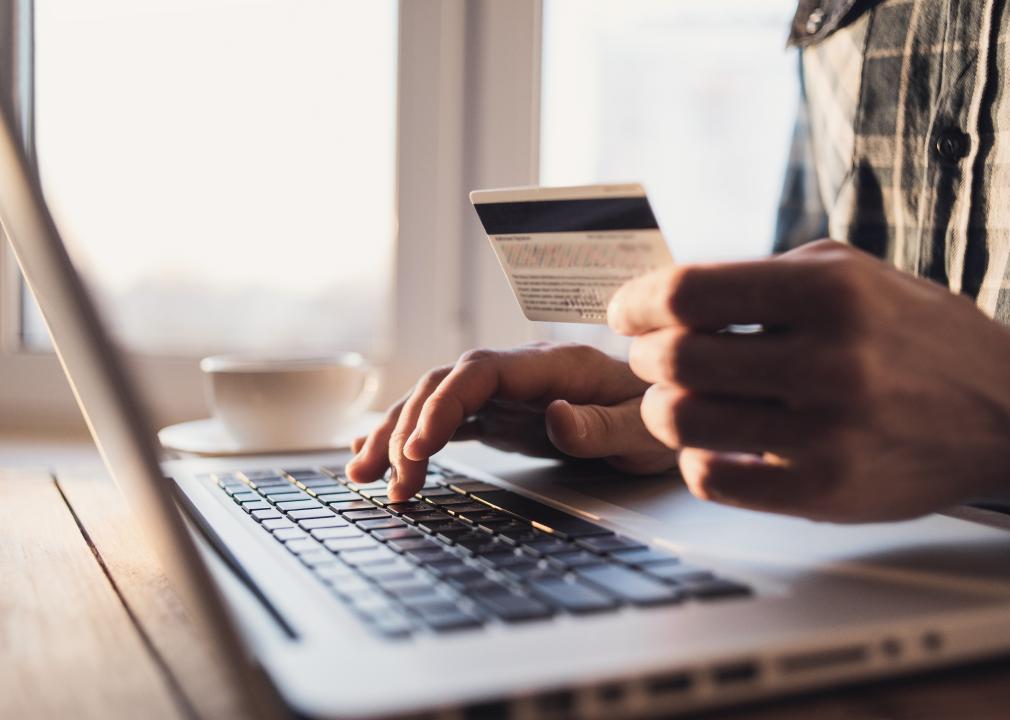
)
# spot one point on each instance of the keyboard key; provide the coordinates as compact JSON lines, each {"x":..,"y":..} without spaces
{"x":677,"y":572}
{"x":426,"y":518}
{"x":342,"y":506}
{"x":290,"y":534}
{"x":610,"y":544}
{"x":386,"y":523}
{"x":643,"y":557}
{"x":246,"y":497}
{"x":522,"y":535}
{"x":450,"y":498}
{"x":299,"y":505}
{"x":314,"y":514}
{"x":548,"y":546}
{"x":716,"y":589}
{"x":279,"y":524}
{"x":629,"y":585}
{"x":398,"y":569}
{"x":352,"y":544}
{"x":326,"y":521}
{"x":257,"y":505}
{"x":266,"y":514}
{"x":335,"y":533}
{"x":449,"y":620}
{"x":402,"y":507}
{"x":332,"y":491}
{"x":462,"y":509}
{"x":436,"y":492}
{"x":334,"y":470}
{"x":317,"y":558}
{"x":396,"y":533}
{"x":256,"y":475}
{"x":390,"y":623}
{"x":369,"y":557}
{"x":575,"y":597}
{"x":577,"y":559}
{"x":428,"y":554}
{"x":301,"y":545}
{"x":373,"y":514}
{"x":320,"y":481}
{"x":466,"y":485}
{"x":407,"y":544}
{"x":511,"y":607}
{"x":560,"y":522}
{"x":289,"y":497}
{"x":410,"y":587}
{"x":283,"y":489}
{"x":300,"y":473}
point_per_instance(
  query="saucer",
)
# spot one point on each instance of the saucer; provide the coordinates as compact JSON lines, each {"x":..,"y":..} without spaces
{"x":210,"y":438}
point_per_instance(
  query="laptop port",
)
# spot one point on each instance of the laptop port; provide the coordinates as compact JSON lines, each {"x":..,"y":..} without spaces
{"x":669,"y":684}
{"x":612,"y":694}
{"x":495,"y":710}
{"x":561,"y":702}
{"x":735,"y":673}
{"x":821,"y":659}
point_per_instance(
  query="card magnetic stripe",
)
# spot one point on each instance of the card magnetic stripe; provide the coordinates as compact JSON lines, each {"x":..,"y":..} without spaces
{"x":559,"y":216}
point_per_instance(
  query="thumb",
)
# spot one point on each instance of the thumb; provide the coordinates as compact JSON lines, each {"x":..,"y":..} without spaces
{"x":600,"y":431}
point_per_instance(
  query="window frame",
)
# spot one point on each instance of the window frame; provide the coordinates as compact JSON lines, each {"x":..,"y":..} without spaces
{"x":467,"y":117}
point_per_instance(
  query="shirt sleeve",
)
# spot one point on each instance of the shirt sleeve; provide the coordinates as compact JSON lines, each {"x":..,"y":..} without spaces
{"x":801,"y":214}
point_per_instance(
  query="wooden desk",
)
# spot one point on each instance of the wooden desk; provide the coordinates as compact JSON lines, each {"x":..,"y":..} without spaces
{"x":89,"y":627}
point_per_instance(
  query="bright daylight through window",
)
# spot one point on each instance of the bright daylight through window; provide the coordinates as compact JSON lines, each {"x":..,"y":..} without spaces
{"x":694,"y":99}
{"x":224,"y":172}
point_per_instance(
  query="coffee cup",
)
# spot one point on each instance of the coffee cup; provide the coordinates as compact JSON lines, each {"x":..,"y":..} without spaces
{"x":288,"y":402}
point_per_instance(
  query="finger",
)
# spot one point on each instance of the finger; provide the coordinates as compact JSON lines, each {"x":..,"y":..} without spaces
{"x":755,"y":483}
{"x":372,"y":458}
{"x":358,"y":443}
{"x":711,"y":297}
{"x":581,"y":375}
{"x":682,"y":420}
{"x":410,"y":473}
{"x":598,"y":431}
{"x":762,"y":366}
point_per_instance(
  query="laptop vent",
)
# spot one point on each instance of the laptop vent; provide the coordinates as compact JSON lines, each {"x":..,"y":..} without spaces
{"x":823,"y":659}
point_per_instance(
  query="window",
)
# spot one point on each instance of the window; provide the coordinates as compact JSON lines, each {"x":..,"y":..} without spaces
{"x":224,"y":172}
{"x":293,"y":174}
{"x":694,"y":99}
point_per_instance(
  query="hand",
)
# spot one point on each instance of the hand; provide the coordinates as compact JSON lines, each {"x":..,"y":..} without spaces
{"x":540,"y":399}
{"x":871,"y":395}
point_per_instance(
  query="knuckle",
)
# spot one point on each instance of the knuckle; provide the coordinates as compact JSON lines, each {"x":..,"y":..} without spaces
{"x":676,"y":284}
{"x":475,"y":356}
{"x":433,"y":377}
{"x":678,"y":359}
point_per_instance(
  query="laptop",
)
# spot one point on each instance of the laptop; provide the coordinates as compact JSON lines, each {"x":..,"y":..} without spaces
{"x":509,"y":587}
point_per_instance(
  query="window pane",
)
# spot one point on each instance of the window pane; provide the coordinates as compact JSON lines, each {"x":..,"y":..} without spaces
{"x":224,"y":171}
{"x":694,"y":99}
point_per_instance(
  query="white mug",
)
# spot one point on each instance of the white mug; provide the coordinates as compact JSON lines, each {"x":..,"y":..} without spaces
{"x":288,"y":402}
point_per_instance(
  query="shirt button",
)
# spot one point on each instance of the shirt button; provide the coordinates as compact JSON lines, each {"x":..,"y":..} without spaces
{"x":952,"y":145}
{"x":815,"y":21}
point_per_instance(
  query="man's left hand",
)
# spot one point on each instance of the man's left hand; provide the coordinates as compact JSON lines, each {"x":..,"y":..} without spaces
{"x":869,"y":395}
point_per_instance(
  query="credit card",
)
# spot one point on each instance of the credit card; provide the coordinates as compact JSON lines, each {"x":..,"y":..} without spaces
{"x":567,"y":250}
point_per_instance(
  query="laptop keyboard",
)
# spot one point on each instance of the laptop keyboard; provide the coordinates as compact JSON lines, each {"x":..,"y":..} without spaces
{"x":461,"y":554}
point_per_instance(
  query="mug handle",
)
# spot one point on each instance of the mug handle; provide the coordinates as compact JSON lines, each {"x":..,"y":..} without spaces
{"x":369,"y":389}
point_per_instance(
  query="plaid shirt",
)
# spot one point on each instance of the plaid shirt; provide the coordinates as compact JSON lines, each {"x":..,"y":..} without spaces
{"x":902,"y":145}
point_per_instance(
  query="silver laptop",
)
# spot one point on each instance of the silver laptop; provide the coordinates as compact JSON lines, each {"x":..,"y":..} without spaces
{"x":509,"y":588}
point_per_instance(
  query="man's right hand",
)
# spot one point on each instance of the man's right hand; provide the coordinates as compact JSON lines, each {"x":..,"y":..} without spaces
{"x":562,"y":400}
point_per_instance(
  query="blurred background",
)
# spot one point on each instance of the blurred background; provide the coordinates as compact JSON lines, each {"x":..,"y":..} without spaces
{"x":292,"y":175}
